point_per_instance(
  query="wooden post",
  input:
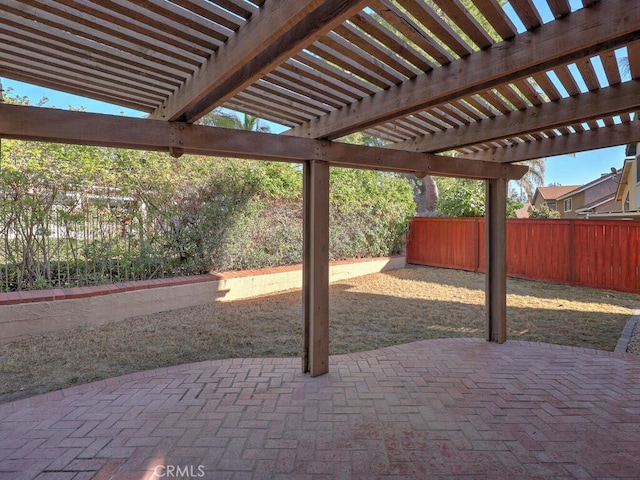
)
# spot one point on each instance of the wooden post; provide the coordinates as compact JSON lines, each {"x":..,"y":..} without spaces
{"x":496,"y":261}
{"x":306,"y":262}
{"x":315,"y":268}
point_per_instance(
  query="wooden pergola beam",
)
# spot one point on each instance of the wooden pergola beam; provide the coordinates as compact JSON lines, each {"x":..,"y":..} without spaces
{"x":587,"y":32}
{"x":616,"y":99}
{"x":276,"y":32}
{"x":620,"y":134}
{"x":63,"y":126}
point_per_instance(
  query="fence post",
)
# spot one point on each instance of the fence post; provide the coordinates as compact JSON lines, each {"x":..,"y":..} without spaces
{"x":496,"y":261}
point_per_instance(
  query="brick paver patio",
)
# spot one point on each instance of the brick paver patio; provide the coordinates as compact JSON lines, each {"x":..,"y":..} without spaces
{"x":458,"y":408}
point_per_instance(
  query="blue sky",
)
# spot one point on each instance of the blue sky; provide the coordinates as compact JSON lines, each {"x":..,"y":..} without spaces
{"x":584,"y":167}
{"x":564,"y":169}
{"x":64,"y":100}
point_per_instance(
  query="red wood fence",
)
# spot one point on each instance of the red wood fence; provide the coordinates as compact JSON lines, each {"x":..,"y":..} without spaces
{"x":592,"y":253}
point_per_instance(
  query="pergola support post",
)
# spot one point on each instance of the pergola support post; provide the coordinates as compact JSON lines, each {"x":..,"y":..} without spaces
{"x":315,"y":268}
{"x":496,"y":260}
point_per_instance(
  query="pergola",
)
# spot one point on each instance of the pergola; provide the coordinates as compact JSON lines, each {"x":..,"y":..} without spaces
{"x":491,"y":84}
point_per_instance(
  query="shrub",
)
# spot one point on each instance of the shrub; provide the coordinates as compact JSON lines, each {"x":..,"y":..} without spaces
{"x":125,"y":215}
{"x":466,"y":198}
{"x":543,"y":212}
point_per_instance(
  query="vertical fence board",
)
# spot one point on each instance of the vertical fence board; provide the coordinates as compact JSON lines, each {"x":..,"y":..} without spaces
{"x":581,"y":246}
{"x":516,"y":248}
{"x":594,"y":253}
{"x":597,"y":273}
{"x":632,"y":263}
{"x":617,"y":245}
{"x":561,"y":250}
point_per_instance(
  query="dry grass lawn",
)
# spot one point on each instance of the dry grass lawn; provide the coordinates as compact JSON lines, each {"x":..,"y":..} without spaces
{"x":366,"y":313}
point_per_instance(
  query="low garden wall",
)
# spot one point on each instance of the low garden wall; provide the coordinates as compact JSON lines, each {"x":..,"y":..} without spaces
{"x":42,"y":311}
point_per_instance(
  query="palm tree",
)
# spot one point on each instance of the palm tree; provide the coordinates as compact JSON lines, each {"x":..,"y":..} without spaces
{"x":625,"y":66}
{"x":237,"y":121}
{"x":533,"y":179}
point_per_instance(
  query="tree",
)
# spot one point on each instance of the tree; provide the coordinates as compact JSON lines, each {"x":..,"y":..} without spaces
{"x":462,"y":198}
{"x":543,"y":212}
{"x":226,"y":119}
{"x":425,"y":193}
{"x":531,"y":180}
{"x":625,"y":66}
{"x":466,"y":198}
{"x":77,"y":215}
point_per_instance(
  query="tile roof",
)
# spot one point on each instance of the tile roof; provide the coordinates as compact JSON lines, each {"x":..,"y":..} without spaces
{"x":552,"y":193}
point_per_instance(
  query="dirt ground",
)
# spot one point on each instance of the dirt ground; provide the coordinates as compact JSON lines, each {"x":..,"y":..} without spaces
{"x":366,"y":313}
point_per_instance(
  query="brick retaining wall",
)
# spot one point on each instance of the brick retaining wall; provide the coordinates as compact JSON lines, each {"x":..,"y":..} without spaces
{"x":42,"y":311}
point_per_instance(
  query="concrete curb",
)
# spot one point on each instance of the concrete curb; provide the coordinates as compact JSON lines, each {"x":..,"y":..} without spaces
{"x":627,"y":332}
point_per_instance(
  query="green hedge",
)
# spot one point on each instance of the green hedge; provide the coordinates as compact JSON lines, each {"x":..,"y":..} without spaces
{"x":74,"y":215}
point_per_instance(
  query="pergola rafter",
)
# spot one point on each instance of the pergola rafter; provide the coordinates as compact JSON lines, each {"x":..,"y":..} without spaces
{"x":275,"y":33}
{"x":580,"y":141}
{"x":554,"y":45}
{"x":602,"y":103}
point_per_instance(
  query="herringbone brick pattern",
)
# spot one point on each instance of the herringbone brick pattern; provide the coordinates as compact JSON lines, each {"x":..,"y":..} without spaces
{"x":458,"y":408}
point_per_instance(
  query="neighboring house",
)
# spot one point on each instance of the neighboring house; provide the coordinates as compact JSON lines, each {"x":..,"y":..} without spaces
{"x":596,"y":197}
{"x":523,"y":212}
{"x":548,"y":196}
{"x":628,"y":193}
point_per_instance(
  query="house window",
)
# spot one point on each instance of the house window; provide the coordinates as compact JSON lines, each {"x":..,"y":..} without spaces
{"x":627,"y":204}
{"x":567,"y":205}
{"x":552,"y":205}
